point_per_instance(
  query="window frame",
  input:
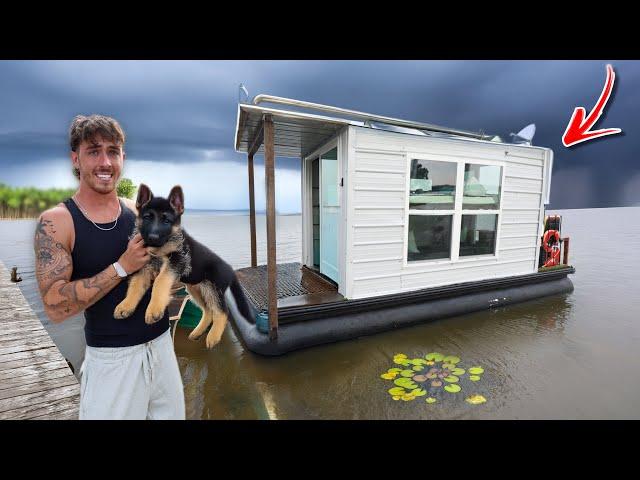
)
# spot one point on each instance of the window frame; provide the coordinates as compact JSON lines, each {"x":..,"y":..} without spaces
{"x":456,"y":212}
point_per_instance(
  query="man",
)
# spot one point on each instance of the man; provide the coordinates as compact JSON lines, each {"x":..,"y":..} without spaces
{"x":83,"y":256}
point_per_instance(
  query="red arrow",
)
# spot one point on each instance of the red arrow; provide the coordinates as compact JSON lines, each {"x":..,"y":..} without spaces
{"x":578,"y":128}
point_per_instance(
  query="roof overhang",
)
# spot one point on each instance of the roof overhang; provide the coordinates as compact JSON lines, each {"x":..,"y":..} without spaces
{"x":296,"y":134}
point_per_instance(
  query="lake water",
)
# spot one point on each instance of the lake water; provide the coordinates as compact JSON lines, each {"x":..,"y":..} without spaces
{"x":570,"y":356}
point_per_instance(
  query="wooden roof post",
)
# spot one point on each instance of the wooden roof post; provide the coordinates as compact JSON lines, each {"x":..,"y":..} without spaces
{"x":269,"y":167}
{"x":252,"y":213}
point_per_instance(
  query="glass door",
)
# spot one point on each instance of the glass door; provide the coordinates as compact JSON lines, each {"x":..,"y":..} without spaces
{"x":329,"y":214}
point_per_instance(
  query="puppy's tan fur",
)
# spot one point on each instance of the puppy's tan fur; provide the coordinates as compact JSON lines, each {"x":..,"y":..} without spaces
{"x":203,"y":294}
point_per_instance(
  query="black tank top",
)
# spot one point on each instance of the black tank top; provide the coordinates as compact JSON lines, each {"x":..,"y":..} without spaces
{"x":93,"y":251}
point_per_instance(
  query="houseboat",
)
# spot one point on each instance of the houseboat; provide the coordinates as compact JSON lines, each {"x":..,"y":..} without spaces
{"x":402,"y":223}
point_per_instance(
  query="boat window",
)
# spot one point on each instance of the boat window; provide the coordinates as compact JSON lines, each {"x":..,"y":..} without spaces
{"x":478,"y":234}
{"x":432,"y":185}
{"x":481,"y":187}
{"x":429,"y":237}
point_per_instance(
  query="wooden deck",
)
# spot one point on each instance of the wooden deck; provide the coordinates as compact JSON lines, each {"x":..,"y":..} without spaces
{"x":35,"y":380}
{"x":296,"y":286}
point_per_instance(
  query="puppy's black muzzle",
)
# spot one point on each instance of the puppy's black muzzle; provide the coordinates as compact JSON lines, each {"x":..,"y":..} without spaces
{"x":154,"y":240}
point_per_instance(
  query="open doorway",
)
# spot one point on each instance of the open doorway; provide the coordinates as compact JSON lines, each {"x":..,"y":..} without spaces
{"x":324,"y":214}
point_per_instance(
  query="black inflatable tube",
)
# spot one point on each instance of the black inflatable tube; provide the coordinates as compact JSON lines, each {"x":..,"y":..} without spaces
{"x":295,"y":336}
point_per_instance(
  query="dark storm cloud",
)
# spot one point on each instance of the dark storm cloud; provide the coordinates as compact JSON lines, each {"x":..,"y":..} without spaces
{"x":186,"y":111}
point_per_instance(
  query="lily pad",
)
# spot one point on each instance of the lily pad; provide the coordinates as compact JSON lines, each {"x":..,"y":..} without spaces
{"x":448,"y":366}
{"x":436,"y":383}
{"x":435,"y":356}
{"x":474,"y":378}
{"x":402,"y":361}
{"x":394,"y":370}
{"x":451,"y":359}
{"x":476,"y":399}
{"x":420,"y":378}
{"x":431,"y":376}
{"x":401,"y":382}
{"x":419,"y":392}
{"x":407,"y":397}
{"x":430,"y":400}
{"x":417,"y":368}
{"x":458,"y":371}
{"x":451,"y":379}
{"x":453,"y":388}
{"x":400,"y":355}
{"x":405,"y":383}
{"x":418,"y":361}
{"x":476,"y":370}
{"x":430,"y":362}
{"x":407,"y":373}
{"x":397,"y":391}
{"x":396,"y":397}
{"x":388,"y":376}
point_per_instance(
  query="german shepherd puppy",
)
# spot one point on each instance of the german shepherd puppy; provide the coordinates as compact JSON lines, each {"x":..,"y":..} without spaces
{"x":210,"y":281}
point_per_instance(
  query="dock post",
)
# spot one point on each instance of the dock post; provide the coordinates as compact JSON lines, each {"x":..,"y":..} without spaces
{"x":565,"y":259}
{"x":269,"y":167}
{"x":252,"y":213}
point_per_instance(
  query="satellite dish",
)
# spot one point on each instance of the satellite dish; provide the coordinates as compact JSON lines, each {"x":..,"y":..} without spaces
{"x":525,"y":136}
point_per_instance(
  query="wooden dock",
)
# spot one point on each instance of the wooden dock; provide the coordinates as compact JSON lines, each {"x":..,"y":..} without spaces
{"x":35,"y":380}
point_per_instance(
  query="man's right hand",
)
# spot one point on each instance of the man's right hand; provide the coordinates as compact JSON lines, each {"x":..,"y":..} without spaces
{"x":135,"y":256}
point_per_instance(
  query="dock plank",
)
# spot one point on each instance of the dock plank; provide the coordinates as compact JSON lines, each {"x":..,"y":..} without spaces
{"x":14,"y":384}
{"x":4,"y":338}
{"x":38,"y":399}
{"x":46,"y":410}
{"x":38,"y":387}
{"x":27,"y":370}
{"x":24,"y":344}
{"x":50,"y":353}
{"x":34,"y":362}
{"x":66,"y":414}
{"x":35,"y":380}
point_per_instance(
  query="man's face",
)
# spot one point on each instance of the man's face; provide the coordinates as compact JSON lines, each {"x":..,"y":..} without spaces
{"x":100,"y":163}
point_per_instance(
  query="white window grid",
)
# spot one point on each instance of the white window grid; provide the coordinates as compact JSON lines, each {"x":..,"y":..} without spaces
{"x":456,"y":212}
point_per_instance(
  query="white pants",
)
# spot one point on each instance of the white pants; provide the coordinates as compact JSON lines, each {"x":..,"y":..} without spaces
{"x":132,"y":383}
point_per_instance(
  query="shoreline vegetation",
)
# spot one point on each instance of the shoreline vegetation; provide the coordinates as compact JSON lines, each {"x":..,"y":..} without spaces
{"x":24,"y":203}
{"x":17,"y":203}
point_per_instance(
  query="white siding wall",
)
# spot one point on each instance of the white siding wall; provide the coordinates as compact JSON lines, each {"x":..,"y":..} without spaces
{"x":375,"y":211}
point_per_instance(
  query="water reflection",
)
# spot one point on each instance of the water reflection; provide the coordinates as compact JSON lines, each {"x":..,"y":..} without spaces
{"x":342,"y":380}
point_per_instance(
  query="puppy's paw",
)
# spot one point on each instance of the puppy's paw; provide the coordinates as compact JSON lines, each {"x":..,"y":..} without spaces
{"x":194,"y":335}
{"x":124,"y":309}
{"x":152,"y":315}
{"x":213,"y":338}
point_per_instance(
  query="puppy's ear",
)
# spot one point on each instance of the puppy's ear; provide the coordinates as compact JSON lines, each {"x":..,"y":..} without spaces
{"x":144,"y":196}
{"x":176,"y":199}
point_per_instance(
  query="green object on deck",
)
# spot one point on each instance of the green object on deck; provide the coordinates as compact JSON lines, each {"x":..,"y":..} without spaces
{"x":262,"y":322}
{"x":191,"y":313}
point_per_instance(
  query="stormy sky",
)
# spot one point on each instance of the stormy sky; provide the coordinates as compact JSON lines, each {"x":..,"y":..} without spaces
{"x":179,"y":117}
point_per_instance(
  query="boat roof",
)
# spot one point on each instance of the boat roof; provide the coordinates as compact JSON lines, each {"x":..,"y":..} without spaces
{"x":296,"y":134}
{"x":299,"y":133}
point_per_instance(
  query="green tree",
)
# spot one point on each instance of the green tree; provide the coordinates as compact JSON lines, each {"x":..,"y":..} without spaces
{"x":126,"y":188}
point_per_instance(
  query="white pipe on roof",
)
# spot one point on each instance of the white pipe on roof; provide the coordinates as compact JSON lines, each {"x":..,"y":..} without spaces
{"x":366,"y":116}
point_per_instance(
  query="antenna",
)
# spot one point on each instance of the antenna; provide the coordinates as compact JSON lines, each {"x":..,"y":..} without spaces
{"x":524,"y":136}
{"x":242,"y":89}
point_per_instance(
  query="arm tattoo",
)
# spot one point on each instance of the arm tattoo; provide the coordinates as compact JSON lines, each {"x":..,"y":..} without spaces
{"x":61,"y":297}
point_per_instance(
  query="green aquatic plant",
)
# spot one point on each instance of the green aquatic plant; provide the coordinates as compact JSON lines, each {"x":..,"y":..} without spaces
{"x":453,"y":388}
{"x":476,"y":399}
{"x":429,"y":375}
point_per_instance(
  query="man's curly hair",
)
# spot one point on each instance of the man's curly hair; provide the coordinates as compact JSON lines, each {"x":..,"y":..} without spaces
{"x":88,"y":127}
